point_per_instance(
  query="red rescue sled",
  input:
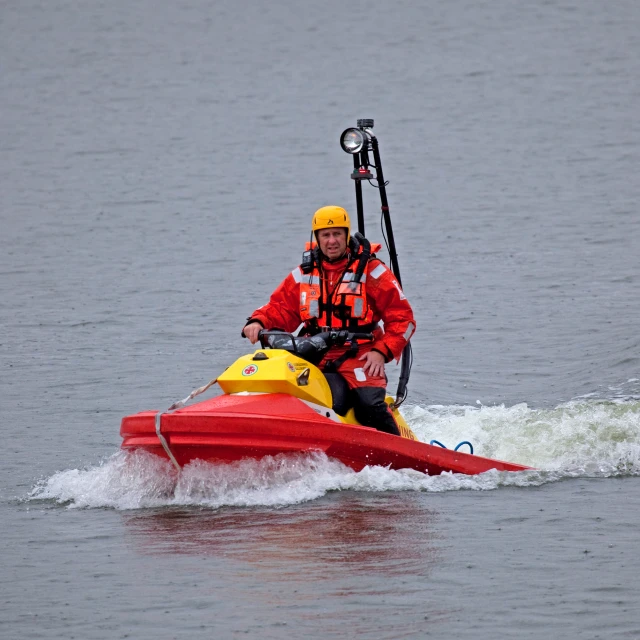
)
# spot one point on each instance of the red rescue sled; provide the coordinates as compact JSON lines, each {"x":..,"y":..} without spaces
{"x":231,"y":427}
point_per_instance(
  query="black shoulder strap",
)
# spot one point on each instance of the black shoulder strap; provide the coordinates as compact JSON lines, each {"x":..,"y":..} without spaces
{"x":365,"y":255}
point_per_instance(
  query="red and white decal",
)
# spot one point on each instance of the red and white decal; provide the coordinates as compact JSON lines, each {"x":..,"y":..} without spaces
{"x":249,"y":370}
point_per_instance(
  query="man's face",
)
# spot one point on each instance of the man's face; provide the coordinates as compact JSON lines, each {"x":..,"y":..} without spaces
{"x":332,"y":242}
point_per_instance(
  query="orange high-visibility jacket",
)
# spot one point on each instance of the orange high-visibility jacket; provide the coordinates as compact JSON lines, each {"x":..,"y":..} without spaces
{"x":379,"y":297}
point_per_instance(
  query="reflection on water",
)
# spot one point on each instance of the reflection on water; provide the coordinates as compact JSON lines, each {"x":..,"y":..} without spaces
{"x":390,"y":534}
{"x":337,"y":563}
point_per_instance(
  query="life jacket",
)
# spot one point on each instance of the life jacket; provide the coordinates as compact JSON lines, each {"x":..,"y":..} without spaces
{"x":345,"y":307}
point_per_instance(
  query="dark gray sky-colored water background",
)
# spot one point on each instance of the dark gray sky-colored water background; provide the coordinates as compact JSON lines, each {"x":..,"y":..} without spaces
{"x":160,"y":163}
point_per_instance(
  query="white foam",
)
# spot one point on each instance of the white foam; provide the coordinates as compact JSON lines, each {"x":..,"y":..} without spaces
{"x":576,"y":439}
{"x":585,"y":437}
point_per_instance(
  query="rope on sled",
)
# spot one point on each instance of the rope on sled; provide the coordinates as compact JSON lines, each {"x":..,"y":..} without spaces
{"x":177,"y":405}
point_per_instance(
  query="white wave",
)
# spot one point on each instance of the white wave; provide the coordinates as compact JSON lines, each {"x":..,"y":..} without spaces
{"x":583,"y":437}
{"x":133,"y":480}
{"x":576,"y":439}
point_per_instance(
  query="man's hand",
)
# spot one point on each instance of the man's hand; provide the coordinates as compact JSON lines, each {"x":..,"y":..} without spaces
{"x":251,"y":331}
{"x":374,"y":365}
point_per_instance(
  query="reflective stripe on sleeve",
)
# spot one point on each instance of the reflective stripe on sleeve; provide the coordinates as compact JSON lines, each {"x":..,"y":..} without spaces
{"x":409,"y":332}
{"x":378,"y":271}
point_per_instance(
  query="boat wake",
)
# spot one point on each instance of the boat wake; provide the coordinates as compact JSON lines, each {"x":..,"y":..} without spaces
{"x":582,"y":438}
{"x":585,"y":437}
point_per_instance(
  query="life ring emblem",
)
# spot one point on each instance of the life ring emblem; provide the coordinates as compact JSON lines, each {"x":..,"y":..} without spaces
{"x":249,"y":370}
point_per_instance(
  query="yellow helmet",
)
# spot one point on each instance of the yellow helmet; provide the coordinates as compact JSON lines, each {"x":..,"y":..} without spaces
{"x":331,"y":216}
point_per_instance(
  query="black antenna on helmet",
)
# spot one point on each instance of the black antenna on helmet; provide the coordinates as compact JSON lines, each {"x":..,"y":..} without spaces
{"x":359,"y":141}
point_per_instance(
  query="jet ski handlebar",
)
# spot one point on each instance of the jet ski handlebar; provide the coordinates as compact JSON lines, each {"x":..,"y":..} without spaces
{"x":333,"y":338}
{"x":311,"y":348}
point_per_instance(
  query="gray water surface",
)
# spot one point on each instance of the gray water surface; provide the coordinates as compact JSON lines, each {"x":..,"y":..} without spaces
{"x":159,"y":167}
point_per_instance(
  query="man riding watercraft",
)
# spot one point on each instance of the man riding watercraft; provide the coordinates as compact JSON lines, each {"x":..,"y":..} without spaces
{"x":342,"y":285}
{"x":319,"y":391}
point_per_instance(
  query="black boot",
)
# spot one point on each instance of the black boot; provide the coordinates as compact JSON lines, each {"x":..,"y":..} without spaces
{"x":372,"y":411}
